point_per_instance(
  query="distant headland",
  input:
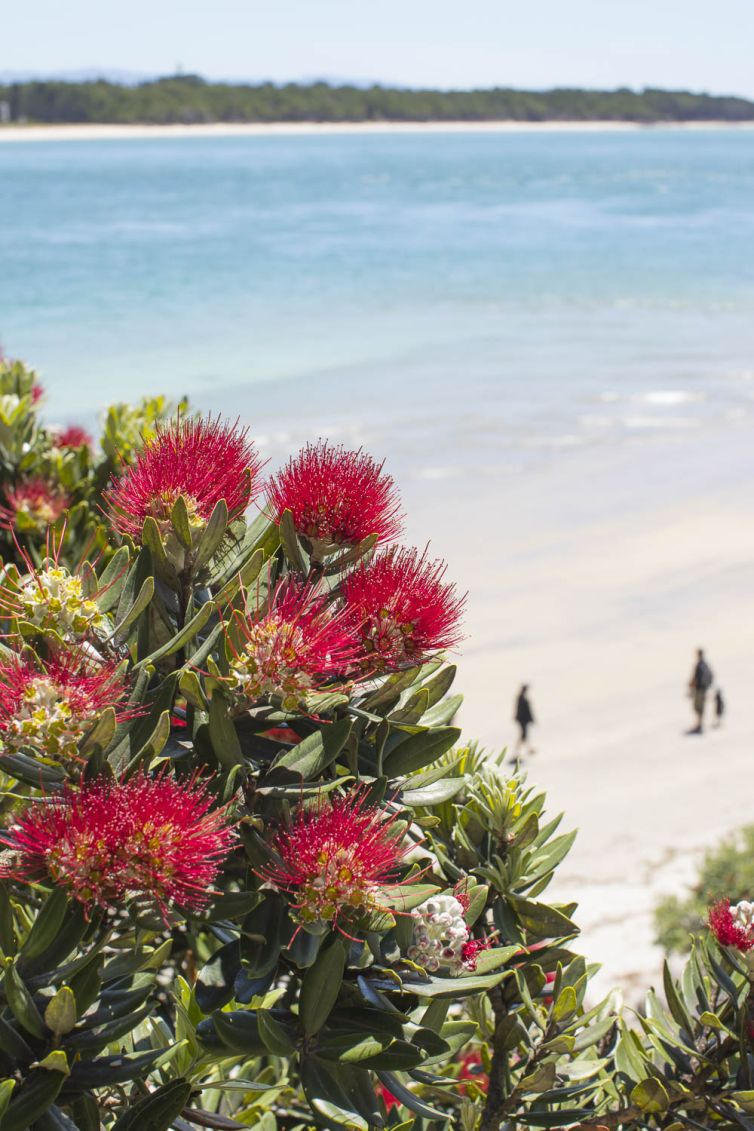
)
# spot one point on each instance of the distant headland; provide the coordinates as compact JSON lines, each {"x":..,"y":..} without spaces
{"x":188,"y":100}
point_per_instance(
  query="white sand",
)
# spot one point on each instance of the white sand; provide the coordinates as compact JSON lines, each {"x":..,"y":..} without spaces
{"x":595,"y":579}
{"x":11,"y":133}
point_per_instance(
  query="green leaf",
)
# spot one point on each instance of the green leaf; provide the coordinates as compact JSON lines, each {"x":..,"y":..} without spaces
{"x":413,"y":710}
{"x":181,"y":638}
{"x":541,"y":1079}
{"x":179,"y":518}
{"x":443,"y":712}
{"x":745,"y":1100}
{"x":154,"y":744}
{"x":477,"y":897}
{"x":212,"y":535}
{"x":239,"y":1031}
{"x":677,"y":1009}
{"x":411,"y":1101}
{"x":190,"y":687}
{"x":101,"y":734}
{"x":46,"y":926}
{"x":353,"y":1046}
{"x":542,"y":919}
{"x":650,"y":1095}
{"x":140,"y":603}
{"x":436,"y":794}
{"x":222,"y":732}
{"x":32,"y":1099}
{"x":110,"y":583}
{"x":275,"y":1036}
{"x":408,"y":896}
{"x":420,"y":750}
{"x":350,"y":557}
{"x":566,"y":1004}
{"x":289,"y":542}
{"x":158,"y":1111}
{"x":8,"y":940}
{"x":451,"y":987}
{"x":317,"y":751}
{"x":55,"y":1061}
{"x":60,"y":1014}
{"x":6,"y":1091}
{"x":494,"y":958}
{"x":345,"y":1091}
{"x":22,"y":1004}
{"x":321,"y":986}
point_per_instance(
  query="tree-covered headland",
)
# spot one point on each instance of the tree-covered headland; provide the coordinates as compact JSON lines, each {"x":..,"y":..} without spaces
{"x":189,"y":99}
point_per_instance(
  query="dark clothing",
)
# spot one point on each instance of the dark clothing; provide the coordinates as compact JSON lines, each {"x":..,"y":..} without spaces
{"x":719,"y":704}
{"x":524,"y":728}
{"x":702,"y":678}
{"x":524,"y":714}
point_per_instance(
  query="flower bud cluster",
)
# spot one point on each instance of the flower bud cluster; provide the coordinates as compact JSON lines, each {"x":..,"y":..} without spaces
{"x":267,"y":665}
{"x":53,"y":600}
{"x":45,"y":719}
{"x":441,"y":934}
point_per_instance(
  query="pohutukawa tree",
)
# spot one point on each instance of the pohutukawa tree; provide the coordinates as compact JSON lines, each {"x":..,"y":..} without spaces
{"x":249,"y":873}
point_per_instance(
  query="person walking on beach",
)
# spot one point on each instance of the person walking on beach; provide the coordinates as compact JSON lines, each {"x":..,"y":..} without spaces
{"x":719,"y":707}
{"x":699,"y":684}
{"x":524,"y":716}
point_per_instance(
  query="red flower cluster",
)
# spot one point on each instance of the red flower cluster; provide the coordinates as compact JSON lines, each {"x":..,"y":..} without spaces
{"x":336,"y":497}
{"x":74,"y":437}
{"x":471,"y":949}
{"x":203,"y":460}
{"x":147,"y":838}
{"x":402,"y":608}
{"x":51,"y":706}
{"x":336,"y":856}
{"x":470,"y":1068}
{"x":733,"y":926}
{"x":292,"y":648}
{"x":38,"y":501}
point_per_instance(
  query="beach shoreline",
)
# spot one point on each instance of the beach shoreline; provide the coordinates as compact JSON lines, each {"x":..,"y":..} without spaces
{"x":113,"y":132}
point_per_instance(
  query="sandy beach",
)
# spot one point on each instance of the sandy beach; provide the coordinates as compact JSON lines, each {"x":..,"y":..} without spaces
{"x":595,"y":580}
{"x":111,"y":132}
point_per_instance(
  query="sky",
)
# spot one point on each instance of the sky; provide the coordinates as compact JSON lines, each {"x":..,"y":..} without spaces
{"x":689,"y":44}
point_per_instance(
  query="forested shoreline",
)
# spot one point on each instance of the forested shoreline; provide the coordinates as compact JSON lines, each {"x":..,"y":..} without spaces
{"x":188,"y":99}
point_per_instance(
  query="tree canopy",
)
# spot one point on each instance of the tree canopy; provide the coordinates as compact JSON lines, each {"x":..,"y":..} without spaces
{"x":189,"y":99}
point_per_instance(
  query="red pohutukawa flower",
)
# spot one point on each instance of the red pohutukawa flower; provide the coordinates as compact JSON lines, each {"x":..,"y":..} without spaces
{"x":73,"y":437}
{"x":148,"y":838}
{"x":403,"y":608}
{"x":336,"y":857}
{"x":51,"y":706}
{"x":33,"y":504}
{"x":733,"y":925}
{"x":336,"y":497}
{"x":296,"y":645}
{"x":203,"y":460}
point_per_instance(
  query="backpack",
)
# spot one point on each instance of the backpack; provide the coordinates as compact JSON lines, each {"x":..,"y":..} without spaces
{"x":704,"y":676}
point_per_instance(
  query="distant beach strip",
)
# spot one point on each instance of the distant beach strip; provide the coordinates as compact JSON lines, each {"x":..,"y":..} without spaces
{"x":112,"y":132}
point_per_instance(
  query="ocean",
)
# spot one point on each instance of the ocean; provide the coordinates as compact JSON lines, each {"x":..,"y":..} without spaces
{"x":464,"y":303}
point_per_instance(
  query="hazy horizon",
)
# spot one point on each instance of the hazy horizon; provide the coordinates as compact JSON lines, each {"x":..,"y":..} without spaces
{"x":429,"y":43}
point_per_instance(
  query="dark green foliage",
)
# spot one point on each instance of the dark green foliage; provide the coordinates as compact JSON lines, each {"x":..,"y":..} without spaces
{"x":187,"y":99}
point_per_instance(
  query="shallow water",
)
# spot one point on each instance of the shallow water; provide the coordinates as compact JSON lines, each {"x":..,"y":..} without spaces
{"x":456,"y":301}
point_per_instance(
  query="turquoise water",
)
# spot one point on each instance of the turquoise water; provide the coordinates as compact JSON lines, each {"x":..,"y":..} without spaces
{"x":459,"y":298}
